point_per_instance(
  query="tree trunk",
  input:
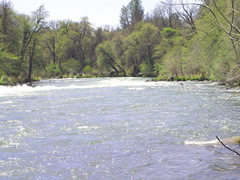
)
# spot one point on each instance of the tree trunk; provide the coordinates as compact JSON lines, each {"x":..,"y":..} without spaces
{"x":115,"y":69}
{"x":29,"y":79}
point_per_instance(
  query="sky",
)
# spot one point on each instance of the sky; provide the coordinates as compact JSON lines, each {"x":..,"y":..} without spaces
{"x":99,"y":12}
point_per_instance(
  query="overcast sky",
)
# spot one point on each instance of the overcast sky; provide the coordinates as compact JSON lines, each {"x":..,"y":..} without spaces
{"x":100,"y":12}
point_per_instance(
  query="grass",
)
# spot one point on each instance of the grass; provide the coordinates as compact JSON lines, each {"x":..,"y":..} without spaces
{"x":181,"y":78}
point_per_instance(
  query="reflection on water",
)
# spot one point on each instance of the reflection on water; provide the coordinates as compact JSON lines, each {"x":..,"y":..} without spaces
{"x":117,"y":128}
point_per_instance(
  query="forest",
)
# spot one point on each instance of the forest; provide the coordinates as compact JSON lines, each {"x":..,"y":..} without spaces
{"x":175,"y":41}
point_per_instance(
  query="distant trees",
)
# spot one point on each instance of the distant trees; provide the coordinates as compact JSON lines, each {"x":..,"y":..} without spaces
{"x":131,"y":14}
{"x":191,"y":42}
{"x":133,"y":54}
{"x":140,"y":49}
{"x":164,"y":15}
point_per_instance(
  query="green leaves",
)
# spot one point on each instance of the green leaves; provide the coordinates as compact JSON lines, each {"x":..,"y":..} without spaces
{"x":105,"y":54}
{"x":134,"y":52}
{"x":139,"y":48}
{"x":53,"y":70}
{"x":168,"y":32}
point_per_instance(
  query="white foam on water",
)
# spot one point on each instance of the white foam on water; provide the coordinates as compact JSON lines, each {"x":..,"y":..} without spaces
{"x":6,"y":102}
{"x":137,"y":88}
{"x":88,"y":127}
{"x":15,"y":91}
{"x":132,"y":83}
{"x":202,"y":143}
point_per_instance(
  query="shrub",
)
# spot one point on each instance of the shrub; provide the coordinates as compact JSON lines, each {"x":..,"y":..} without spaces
{"x":53,"y":70}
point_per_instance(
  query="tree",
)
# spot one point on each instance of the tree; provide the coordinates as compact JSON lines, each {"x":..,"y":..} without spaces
{"x":223,"y":16}
{"x":125,"y":17}
{"x":7,"y":20}
{"x":106,"y":57}
{"x":158,"y":17}
{"x":229,"y":26}
{"x":81,"y":36}
{"x":51,"y":39}
{"x":188,"y":14}
{"x":139,"y":48}
{"x":31,"y":28}
{"x":131,"y":14}
{"x":8,"y":39}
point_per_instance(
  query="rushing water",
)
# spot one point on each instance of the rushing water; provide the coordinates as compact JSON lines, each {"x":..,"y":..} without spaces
{"x":117,"y":128}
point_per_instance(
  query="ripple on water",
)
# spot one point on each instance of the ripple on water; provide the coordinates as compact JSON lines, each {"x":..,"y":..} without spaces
{"x":116,"y":128}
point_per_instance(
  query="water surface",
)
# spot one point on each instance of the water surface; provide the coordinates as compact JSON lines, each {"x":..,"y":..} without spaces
{"x":117,"y":128}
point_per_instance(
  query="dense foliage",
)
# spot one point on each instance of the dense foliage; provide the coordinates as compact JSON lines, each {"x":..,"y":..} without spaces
{"x":198,"y":41}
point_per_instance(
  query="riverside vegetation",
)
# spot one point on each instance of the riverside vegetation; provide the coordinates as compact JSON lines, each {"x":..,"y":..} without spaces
{"x":197,"y":41}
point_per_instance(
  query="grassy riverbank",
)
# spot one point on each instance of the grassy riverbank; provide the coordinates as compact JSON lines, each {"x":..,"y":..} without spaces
{"x":10,"y":81}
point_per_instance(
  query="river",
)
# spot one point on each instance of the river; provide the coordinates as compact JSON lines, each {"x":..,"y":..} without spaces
{"x":117,"y":128}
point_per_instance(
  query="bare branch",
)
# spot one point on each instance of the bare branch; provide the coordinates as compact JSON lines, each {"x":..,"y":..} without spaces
{"x":230,"y":97}
{"x":227,"y":146}
{"x":233,"y":14}
{"x":225,"y":18}
{"x":236,"y":11}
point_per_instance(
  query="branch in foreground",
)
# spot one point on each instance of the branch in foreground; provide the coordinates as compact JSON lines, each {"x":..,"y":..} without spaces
{"x":227,"y":146}
{"x":230,"y":97}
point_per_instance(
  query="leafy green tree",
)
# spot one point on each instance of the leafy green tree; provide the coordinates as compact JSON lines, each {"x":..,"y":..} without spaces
{"x":98,"y":37}
{"x":133,"y":53}
{"x":81,"y":36}
{"x":106,"y":57}
{"x":30,"y":28}
{"x":8,"y":25}
{"x":31,"y":32}
{"x":51,"y":40}
{"x":8,"y":39}
{"x":139,"y":48}
{"x":7,"y":62}
{"x":118,"y":48}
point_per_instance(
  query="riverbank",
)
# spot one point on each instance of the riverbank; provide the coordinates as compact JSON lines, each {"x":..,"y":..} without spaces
{"x":229,"y":83}
{"x":13,"y":81}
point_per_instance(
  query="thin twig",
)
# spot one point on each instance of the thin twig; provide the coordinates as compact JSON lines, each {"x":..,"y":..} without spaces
{"x":230,"y":97}
{"x":227,"y":146}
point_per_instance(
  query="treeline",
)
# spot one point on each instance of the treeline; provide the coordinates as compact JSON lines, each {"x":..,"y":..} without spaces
{"x":175,"y":41}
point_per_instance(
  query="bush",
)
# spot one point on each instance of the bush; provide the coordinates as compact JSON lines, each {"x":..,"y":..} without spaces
{"x":53,"y":70}
{"x":168,"y":32}
{"x":146,"y":69}
{"x":71,"y":66}
{"x":87,"y":69}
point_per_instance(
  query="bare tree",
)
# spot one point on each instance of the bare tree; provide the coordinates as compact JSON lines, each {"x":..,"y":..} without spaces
{"x":157,"y":17}
{"x":164,"y":15}
{"x":187,"y":13}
